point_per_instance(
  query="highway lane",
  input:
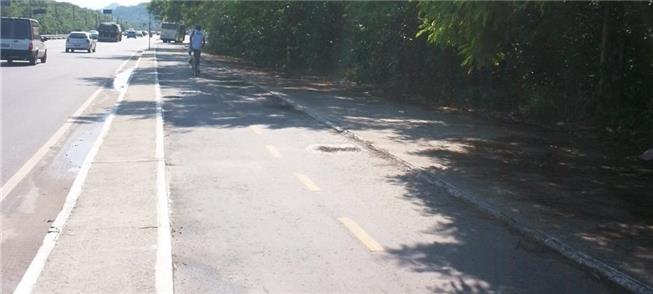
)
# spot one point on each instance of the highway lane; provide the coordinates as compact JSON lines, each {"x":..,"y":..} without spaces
{"x":37,"y":100}
{"x":36,"y":103}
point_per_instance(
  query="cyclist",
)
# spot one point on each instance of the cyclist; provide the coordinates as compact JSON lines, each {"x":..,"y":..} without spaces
{"x":197,"y":41}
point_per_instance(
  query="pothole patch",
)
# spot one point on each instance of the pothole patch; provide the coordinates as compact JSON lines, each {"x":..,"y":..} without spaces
{"x":333,"y":148}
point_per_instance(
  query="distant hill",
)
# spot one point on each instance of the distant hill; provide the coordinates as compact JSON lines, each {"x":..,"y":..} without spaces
{"x":111,"y":6}
{"x":136,"y":16}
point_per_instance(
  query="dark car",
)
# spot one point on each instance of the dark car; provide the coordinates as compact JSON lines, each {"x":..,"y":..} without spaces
{"x":131,"y":34}
{"x":110,"y":32}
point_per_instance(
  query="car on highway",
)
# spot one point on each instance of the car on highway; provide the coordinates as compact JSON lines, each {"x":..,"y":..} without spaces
{"x":131,"y":34}
{"x":110,"y":32}
{"x":20,"y":39}
{"x":80,"y":41}
{"x":94,"y":34}
{"x":139,"y":34}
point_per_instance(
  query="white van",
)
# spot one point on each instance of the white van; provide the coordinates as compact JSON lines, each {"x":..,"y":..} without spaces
{"x":20,"y":39}
{"x":172,"y":32}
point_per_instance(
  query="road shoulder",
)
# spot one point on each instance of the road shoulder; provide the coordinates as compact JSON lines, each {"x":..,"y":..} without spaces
{"x":109,"y":242}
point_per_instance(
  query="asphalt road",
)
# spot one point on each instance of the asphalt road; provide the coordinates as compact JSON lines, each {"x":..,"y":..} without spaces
{"x":36,"y":102}
{"x":265,"y":199}
{"x":262,"y":198}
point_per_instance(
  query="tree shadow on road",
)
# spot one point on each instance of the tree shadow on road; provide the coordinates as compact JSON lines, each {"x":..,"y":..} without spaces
{"x":572,"y":182}
{"x":478,"y":260}
{"x":218,"y":99}
{"x":476,"y":254}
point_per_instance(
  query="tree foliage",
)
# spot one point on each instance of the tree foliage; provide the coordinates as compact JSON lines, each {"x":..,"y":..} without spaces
{"x":588,"y":62}
{"x":59,"y":17}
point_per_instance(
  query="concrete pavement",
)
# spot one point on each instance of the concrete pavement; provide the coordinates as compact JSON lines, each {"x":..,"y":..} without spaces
{"x":110,"y":242}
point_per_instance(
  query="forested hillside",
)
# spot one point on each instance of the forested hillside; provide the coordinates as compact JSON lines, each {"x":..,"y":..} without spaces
{"x":136,"y":15}
{"x":573,"y":63}
{"x":59,"y":17}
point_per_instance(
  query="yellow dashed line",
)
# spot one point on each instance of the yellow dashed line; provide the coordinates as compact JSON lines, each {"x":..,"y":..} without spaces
{"x":273,"y":151}
{"x":360,"y":234}
{"x":307,"y":182}
{"x":240,"y":114}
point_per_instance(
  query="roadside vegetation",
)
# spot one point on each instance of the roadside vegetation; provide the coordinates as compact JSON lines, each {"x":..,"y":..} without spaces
{"x":56,"y":17}
{"x":575,"y":64}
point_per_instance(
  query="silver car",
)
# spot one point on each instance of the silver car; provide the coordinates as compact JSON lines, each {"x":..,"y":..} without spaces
{"x":94,"y":34}
{"x":80,"y":41}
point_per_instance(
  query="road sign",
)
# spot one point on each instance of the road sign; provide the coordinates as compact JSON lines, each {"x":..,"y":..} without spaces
{"x":107,"y":11}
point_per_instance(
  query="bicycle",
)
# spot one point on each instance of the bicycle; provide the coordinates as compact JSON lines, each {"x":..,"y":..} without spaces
{"x":195,"y":62}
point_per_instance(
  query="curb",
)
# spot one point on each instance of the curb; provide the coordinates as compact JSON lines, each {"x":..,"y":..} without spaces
{"x":579,"y":257}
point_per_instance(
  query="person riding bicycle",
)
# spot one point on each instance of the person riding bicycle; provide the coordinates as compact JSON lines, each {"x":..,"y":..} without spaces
{"x":197,"y":42}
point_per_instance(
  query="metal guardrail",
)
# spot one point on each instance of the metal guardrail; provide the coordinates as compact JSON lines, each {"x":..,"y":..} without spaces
{"x":55,"y":37}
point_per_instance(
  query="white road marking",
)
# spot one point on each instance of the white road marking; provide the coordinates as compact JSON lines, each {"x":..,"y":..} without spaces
{"x":307,"y":182}
{"x":41,"y":152}
{"x":273,"y":151}
{"x":31,"y":275}
{"x":164,"y":282}
{"x":256,"y":129}
{"x":360,"y":234}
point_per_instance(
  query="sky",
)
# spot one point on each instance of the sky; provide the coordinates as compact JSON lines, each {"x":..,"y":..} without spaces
{"x":97,"y":4}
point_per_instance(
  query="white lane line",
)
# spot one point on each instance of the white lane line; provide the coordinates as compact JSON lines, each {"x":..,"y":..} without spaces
{"x":164,"y":279}
{"x":31,"y":275}
{"x":360,"y":234}
{"x":124,"y":63}
{"x":41,"y":152}
{"x":307,"y":182}
{"x":273,"y":151}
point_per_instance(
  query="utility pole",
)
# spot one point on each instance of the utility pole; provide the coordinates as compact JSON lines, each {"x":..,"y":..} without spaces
{"x":149,"y":31}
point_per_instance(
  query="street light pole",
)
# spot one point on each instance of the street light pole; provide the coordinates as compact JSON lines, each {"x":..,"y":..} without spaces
{"x":149,"y":31}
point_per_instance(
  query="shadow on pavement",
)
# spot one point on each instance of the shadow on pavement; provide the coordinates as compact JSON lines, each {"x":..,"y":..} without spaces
{"x":15,"y":64}
{"x":472,"y":258}
{"x":570,"y":183}
{"x":197,"y":104}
